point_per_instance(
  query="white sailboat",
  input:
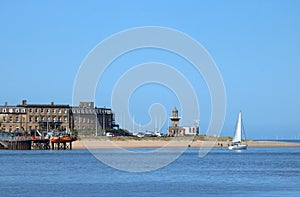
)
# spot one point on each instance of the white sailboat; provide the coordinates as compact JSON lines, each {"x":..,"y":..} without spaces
{"x":237,"y":139}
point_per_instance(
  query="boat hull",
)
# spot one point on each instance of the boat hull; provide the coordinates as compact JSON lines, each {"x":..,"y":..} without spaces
{"x":54,"y":139}
{"x":65,"y":139}
{"x":238,"y":147}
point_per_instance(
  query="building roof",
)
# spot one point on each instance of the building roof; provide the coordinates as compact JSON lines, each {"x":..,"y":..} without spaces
{"x":45,"y":106}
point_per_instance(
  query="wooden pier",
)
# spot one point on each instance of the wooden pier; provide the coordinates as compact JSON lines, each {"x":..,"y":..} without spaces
{"x":40,"y":144}
{"x":36,"y":144}
{"x":16,"y":144}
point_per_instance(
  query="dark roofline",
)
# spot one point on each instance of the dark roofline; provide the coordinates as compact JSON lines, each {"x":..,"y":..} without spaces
{"x":5,"y":106}
{"x":44,"y":106}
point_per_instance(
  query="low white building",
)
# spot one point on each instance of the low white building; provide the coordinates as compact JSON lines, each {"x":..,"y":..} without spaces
{"x":190,"y":130}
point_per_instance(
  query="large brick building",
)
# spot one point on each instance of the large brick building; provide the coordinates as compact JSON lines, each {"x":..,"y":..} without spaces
{"x":46,"y":117}
{"x":87,"y":118}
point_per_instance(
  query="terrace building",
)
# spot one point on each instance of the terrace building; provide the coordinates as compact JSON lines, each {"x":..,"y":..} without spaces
{"x":47,"y":117}
{"x":87,"y":118}
{"x":12,"y":118}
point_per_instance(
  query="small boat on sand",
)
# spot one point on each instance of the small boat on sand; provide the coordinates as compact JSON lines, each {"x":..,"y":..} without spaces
{"x":65,"y":139}
{"x":54,"y":139}
{"x":61,"y":139}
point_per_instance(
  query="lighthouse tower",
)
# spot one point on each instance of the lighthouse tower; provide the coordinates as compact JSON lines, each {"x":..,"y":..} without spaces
{"x":174,"y":130}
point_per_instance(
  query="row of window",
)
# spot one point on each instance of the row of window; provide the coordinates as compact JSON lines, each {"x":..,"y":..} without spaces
{"x":10,"y":128}
{"x":12,"y":110}
{"x":31,"y":110}
{"x":91,"y":111}
{"x":31,"y":128}
{"x":42,"y":110}
{"x":49,"y":119}
{"x":37,"y":119}
{"x":84,"y":127}
{"x":65,"y":111}
{"x":87,"y":119}
{"x":84,"y":120}
{"x":4,"y":119}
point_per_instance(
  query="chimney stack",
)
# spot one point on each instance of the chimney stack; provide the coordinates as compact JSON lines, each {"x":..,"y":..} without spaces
{"x":24,"y":102}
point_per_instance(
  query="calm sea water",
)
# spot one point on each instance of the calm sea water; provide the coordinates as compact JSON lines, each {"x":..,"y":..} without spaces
{"x":255,"y":172}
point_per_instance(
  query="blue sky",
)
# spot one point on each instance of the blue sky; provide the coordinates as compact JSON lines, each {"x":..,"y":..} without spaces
{"x":254,"y":43}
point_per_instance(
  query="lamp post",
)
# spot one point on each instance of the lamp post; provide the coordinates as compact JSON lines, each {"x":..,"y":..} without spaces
{"x":96,"y":121}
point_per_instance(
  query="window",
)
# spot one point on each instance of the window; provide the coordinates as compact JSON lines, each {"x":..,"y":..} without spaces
{"x":43,"y":119}
{"x":36,"y":119}
{"x":10,"y":119}
{"x":59,"y":118}
{"x":36,"y":110}
{"x":17,"y":110}
{"x":17,"y":118}
{"x":10,"y":128}
{"x":23,"y":111}
{"x":30,"y":119}
{"x":4,"y":118}
{"x":4,"y":110}
{"x":4,"y":128}
{"x":65,"y":119}
{"x":48,"y":111}
{"x":59,"y":111}
{"x":42,"y":110}
{"x":54,"y":119}
{"x":30,"y":110}
{"x":53,"y":111}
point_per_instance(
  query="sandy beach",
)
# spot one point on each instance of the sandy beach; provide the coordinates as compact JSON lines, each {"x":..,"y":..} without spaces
{"x":98,"y":144}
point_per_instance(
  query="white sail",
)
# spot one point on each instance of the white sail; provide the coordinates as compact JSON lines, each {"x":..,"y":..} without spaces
{"x":238,"y":130}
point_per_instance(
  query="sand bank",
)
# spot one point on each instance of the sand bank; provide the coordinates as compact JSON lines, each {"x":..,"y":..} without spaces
{"x":97,"y":144}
